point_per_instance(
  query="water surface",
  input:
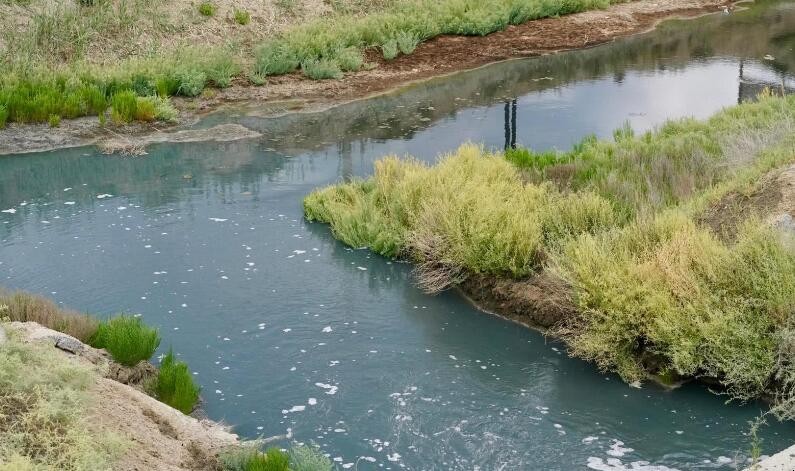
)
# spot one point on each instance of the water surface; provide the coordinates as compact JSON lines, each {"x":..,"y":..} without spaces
{"x":290,"y":332}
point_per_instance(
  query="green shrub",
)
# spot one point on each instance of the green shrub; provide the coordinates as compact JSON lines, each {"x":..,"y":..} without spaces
{"x":145,"y":109}
{"x":127,"y":339}
{"x":321,"y":69}
{"x":275,"y":59}
{"x":54,"y":120}
{"x":207,"y":9}
{"x":123,"y":106}
{"x":167,"y":86}
{"x":191,"y":82}
{"x":482,"y":219}
{"x":307,"y":458}
{"x":390,"y":49}
{"x":174,"y":385}
{"x":406,"y":42}
{"x":220,"y":70}
{"x":257,"y":79}
{"x":349,"y":59}
{"x":242,"y":17}
{"x":164,"y":109}
{"x":250,"y":459}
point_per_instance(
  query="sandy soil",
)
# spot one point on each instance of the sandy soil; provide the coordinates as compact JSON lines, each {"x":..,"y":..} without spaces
{"x":162,"y":437}
{"x":439,"y":56}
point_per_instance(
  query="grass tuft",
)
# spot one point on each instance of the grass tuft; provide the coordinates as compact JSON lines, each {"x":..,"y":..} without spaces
{"x":127,"y":339}
{"x":321,"y":69}
{"x":307,"y":458}
{"x":242,"y":17}
{"x":124,"y":106}
{"x":207,"y":9}
{"x":250,"y":459}
{"x":175,"y":386}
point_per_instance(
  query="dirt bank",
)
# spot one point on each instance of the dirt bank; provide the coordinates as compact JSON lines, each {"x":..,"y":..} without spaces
{"x":158,"y":436}
{"x":439,"y":56}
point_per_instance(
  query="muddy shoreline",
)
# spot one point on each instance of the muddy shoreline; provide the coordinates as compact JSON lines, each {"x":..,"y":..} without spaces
{"x":441,"y":56}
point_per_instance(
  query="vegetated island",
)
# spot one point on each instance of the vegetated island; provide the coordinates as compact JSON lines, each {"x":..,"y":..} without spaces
{"x":135,"y":66}
{"x":667,"y":255}
{"x":78,"y":394}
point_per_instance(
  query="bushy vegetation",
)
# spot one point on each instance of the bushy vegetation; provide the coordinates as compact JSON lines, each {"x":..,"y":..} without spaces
{"x":621,"y":225}
{"x":46,"y":73}
{"x":127,"y":339}
{"x":471,"y":213}
{"x":300,"y":458}
{"x":43,"y":403}
{"x":401,"y":27}
{"x":175,"y":386}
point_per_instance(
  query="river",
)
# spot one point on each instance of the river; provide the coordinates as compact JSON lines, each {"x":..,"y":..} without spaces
{"x":290,"y":332}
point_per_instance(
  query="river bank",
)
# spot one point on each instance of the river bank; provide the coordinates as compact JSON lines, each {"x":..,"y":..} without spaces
{"x":436,"y":57}
{"x":613,"y":247}
{"x":107,"y":424}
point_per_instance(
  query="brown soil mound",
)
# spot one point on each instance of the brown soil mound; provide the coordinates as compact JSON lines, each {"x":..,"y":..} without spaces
{"x":162,"y":438}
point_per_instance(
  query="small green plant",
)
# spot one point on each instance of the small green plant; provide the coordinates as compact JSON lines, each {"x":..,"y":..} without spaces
{"x":390,"y":49}
{"x":307,"y":458}
{"x":164,"y":109}
{"x":321,"y":69}
{"x":167,"y":86}
{"x":174,"y":385}
{"x":275,"y":59}
{"x":127,"y":339}
{"x":221,"y":69}
{"x":144,"y":109}
{"x":207,"y":9}
{"x":123,"y":106}
{"x":54,"y":120}
{"x":251,"y":459}
{"x":257,"y":79}
{"x":350,"y":59}
{"x":242,"y":17}
{"x":406,"y":42}
{"x":191,"y":82}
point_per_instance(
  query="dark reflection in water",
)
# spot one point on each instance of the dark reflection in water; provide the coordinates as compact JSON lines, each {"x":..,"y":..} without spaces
{"x":289,"y":330}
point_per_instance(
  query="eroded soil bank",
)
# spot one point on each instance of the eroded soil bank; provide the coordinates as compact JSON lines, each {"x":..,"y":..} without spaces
{"x":156,"y":436}
{"x":439,"y":56}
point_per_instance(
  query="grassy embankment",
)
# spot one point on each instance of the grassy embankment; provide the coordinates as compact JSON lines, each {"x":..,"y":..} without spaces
{"x":74,"y":58}
{"x":44,"y":398}
{"x":620,"y":225}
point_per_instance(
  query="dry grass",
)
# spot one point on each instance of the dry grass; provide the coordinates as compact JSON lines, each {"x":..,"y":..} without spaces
{"x":43,"y":407}
{"x":24,"y":307}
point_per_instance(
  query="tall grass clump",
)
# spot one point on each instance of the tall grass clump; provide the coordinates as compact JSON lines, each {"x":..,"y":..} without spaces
{"x":24,"y":307}
{"x":251,"y":459}
{"x":44,"y":403}
{"x":124,"y":106}
{"x":307,"y":458}
{"x":175,"y":386}
{"x":321,"y":69}
{"x":3,"y":116}
{"x":207,"y":9}
{"x":127,"y":339}
{"x":470,"y":213}
{"x":696,"y":305}
{"x":242,"y":17}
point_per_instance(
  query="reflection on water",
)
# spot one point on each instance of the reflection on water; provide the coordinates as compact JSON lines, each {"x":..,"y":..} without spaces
{"x":289,"y":330}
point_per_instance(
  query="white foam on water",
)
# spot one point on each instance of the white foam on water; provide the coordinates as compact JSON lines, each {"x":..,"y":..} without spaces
{"x":618,"y":450}
{"x":311,"y":401}
{"x":294,"y":409}
{"x":615,"y":464}
{"x":69,"y":203}
{"x":9,"y":211}
{"x":218,"y":219}
{"x":331,"y":389}
{"x":327,"y":329}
